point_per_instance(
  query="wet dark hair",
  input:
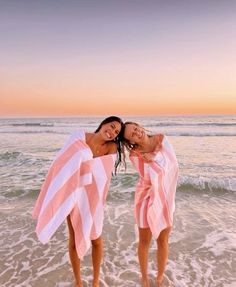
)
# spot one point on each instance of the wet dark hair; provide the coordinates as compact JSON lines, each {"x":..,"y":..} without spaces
{"x":117,"y":140}
{"x":109,"y":120}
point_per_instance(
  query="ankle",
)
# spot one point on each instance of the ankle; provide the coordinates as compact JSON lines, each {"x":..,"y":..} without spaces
{"x":95,"y":283}
{"x":145,"y":281}
{"x":159,"y":280}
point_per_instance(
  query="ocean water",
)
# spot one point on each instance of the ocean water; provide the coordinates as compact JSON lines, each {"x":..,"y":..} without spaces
{"x":203,"y":238}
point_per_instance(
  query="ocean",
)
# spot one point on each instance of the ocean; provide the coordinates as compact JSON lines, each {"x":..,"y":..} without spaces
{"x":203,"y":238}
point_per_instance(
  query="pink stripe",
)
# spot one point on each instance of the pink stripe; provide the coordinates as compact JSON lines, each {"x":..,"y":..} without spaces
{"x":80,"y":241}
{"x":138,"y":163}
{"x":93,"y":191}
{"x":171,"y":193}
{"x":93,"y":233}
{"x":145,"y":210}
{"x":108,"y":164}
{"x":154,"y":223}
{"x":93,"y":195}
{"x":137,"y":212}
{"x":63,"y":193}
{"x":141,"y":188}
{"x":106,"y":191}
{"x":140,"y":194}
{"x":57,"y":165}
{"x":141,"y":166}
{"x":161,"y":192}
{"x":173,"y":184}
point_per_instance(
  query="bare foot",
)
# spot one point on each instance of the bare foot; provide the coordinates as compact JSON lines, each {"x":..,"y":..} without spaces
{"x":159,"y":281}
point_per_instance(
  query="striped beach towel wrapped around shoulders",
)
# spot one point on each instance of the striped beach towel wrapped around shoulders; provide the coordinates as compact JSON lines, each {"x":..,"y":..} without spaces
{"x":156,"y":188}
{"x":76,"y":185}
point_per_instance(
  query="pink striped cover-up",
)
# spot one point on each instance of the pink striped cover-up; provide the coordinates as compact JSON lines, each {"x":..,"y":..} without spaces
{"x":76,"y":185}
{"x":155,"y":190}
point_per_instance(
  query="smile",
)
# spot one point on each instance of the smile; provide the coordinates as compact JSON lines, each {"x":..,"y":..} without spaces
{"x":140,"y":135}
{"x":108,"y":135}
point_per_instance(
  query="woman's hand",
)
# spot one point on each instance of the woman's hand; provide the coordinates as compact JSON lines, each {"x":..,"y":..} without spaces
{"x":148,"y":156}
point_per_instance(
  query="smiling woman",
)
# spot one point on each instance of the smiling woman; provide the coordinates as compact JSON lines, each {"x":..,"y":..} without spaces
{"x":107,"y":131}
{"x":76,"y":187}
{"x":156,"y":163}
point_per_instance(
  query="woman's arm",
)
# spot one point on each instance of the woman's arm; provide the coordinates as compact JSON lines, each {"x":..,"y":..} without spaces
{"x":150,"y":156}
{"x":159,"y":140}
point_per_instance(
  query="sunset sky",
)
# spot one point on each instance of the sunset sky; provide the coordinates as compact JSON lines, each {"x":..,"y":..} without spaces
{"x":71,"y":58}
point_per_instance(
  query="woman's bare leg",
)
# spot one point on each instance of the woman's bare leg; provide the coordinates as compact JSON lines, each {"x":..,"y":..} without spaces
{"x":162,"y":253}
{"x":145,"y":236}
{"x":75,"y":261}
{"x":97,"y":259}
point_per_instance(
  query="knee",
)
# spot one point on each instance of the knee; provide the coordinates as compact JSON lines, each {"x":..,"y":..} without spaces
{"x":144,"y":242}
{"x":163,"y":239}
{"x":97,"y":242}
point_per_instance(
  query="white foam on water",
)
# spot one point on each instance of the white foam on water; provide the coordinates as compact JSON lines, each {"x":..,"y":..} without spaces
{"x":231,"y":284}
{"x":211,"y":183}
{"x":219,"y":241}
{"x":202,"y":247}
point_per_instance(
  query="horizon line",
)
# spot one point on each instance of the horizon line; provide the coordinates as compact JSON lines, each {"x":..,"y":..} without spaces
{"x":105,"y":115}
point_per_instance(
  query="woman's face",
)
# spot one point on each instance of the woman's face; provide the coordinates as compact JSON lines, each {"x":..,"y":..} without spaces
{"x":134,"y":133}
{"x":110,"y":130}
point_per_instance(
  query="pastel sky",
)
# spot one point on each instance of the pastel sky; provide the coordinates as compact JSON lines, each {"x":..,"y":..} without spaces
{"x":71,"y":58}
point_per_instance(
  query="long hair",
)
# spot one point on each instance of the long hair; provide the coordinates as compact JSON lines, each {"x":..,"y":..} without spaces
{"x":117,"y":139}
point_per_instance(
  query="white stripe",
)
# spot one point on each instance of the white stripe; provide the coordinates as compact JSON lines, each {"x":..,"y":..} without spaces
{"x":167,"y":144}
{"x":57,"y":219}
{"x":85,"y":179}
{"x":157,"y":200}
{"x":101,"y":179}
{"x":76,"y":135}
{"x":62,"y":177}
{"x":142,"y":213}
{"x":99,"y":176}
{"x":155,"y":185}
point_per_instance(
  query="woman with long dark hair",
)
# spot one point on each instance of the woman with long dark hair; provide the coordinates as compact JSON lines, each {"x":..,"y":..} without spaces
{"x":76,"y":187}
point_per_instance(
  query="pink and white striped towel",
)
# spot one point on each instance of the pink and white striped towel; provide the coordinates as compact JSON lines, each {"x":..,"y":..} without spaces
{"x":76,"y":184}
{"x":155,"y":190}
